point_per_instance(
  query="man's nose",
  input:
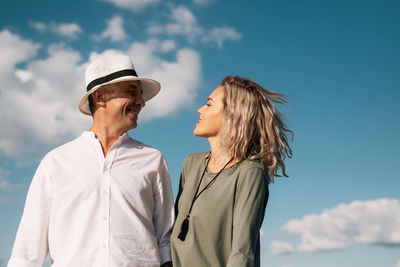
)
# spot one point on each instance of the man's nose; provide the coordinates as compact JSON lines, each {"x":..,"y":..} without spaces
{"x":140,"y":101}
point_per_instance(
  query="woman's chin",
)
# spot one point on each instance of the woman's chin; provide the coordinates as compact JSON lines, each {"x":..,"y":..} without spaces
{"x":197,"y":133}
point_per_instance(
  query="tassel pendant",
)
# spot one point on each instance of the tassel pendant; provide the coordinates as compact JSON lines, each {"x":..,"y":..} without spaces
{"x":184,"y":229}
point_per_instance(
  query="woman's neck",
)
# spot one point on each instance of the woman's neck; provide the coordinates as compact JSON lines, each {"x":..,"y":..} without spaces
{"x":219,"y":156}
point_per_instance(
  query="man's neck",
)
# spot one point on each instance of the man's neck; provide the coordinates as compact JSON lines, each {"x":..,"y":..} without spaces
{"x":106,"y":136}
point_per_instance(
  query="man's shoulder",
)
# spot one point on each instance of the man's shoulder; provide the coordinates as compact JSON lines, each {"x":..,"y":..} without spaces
{"x":138,"y":147}
{"x":66,"y":148}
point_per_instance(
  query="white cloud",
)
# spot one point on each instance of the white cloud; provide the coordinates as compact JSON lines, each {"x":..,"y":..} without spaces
{"x":219,"y":35}
{"x":179,"y":79}
{"x":167,"y":46}
{"x":367,"y":222}
{"x":203,"y":2}
{"x":114,"y":31}
{"x":184,"y":23}
{"x":39,"y":101}
{"x":24,"y":75}
{"x":40,"y":26}
{"x":14,"y":50}
{"x":4,"y":183}
{"x":155,"y":29}
{"x":40,"y":112}
{"x":134,"y":5}
{"x":281,"y":247}
{"x":68,"y":30}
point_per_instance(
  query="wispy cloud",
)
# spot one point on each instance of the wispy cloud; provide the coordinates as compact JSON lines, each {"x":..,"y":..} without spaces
{"x":367,"y":222}
{"x":182,"y":22}
{"x":134,"y":5}
{"x":114,"y":31}
{"x":67,"y":30}
{"x":40,"y":26}
{"x":203,"y":2}
{"x":4,"y":183}
{"x":281,"y":247}
{"x":220,"y":35}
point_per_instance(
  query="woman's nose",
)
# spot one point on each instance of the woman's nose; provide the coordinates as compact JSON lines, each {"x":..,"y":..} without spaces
{"x":200,"y":109}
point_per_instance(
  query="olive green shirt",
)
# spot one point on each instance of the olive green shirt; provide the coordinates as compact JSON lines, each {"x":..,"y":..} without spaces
{"x":225,"y":221}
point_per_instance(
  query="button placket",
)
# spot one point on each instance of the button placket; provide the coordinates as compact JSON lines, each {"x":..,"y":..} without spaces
{"x":107,"y":194}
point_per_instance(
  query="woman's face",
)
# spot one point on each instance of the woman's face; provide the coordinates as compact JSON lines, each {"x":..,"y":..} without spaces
{"x":211,"y":114}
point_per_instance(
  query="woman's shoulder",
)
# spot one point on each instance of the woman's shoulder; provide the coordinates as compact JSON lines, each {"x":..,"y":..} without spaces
{"x":251,"y":171}
{"x":254,"y":165}
{"x":196,"y":157}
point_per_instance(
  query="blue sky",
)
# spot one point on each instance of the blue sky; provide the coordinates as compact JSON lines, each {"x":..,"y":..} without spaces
{"x":338,"y":62}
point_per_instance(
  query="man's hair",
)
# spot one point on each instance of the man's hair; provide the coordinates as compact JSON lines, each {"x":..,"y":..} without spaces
{"x":108,"y":88}
{"x":252,"y":127}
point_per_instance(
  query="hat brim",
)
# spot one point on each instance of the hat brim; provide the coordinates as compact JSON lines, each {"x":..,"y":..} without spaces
{"x":149,"y":87}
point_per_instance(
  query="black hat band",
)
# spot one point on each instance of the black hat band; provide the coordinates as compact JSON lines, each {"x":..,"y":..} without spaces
{"x":110,"y":77}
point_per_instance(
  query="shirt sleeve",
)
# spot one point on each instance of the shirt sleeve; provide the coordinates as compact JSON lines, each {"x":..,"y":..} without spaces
{"x":163,"y":217}
{"x":31,"y":242}
{"x":250,"y":202}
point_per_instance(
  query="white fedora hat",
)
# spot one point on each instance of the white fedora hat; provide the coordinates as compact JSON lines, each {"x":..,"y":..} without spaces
{"x":110,"y":69}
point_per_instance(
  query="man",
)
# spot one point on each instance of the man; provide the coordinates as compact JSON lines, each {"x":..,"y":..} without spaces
{"x":102,"y":199}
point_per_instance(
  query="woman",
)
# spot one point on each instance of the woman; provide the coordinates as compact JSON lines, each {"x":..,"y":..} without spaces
{"x":223,"y":193}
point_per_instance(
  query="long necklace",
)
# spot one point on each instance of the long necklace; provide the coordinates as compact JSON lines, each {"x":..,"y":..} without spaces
{"x":185,"y":224}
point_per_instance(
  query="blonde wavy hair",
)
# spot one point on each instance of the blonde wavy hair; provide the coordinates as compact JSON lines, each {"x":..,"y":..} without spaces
{"x":252,"y":127}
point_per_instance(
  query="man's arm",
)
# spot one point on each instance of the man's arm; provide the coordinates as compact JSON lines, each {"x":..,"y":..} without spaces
{"x":163,"y":217}
{"x":31,"y":246}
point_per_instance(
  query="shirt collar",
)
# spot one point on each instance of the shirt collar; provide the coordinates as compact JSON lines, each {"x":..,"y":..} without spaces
{"x":120,"y":140}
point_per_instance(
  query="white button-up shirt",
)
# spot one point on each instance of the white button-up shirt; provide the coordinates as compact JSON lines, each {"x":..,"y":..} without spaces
{"x":89,"y":210}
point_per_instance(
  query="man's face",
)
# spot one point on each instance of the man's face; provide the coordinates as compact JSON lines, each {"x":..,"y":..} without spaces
{"x":124,"y":104}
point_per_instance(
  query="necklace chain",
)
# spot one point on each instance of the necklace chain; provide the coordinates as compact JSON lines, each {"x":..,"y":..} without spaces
{"x":185,"y":223}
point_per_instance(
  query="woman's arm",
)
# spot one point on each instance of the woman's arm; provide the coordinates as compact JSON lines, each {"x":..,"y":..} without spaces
{"x":250,"y":200}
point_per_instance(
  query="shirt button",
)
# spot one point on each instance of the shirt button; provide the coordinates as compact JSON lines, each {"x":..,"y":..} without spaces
{"x":104,"y":218}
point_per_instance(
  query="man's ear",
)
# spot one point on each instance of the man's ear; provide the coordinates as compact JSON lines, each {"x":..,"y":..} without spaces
{"x":100,"y":98}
